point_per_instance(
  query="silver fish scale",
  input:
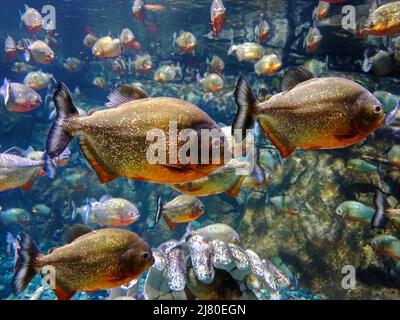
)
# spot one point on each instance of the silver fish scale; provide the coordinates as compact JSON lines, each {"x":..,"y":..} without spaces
{"x":159,"y":259}
{"x":201,"y":253}
{"x":176,"y":269}
{"x":238,"y":256}
{"x":255,"y":263}
{"x":222,"y":254}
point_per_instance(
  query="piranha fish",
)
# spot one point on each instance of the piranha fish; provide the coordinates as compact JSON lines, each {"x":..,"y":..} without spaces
{"x":119,"y":66}
{"x":41,"y":210}
{"x":142,"y":64}
{"x":38,"y":80}
{"x":383,"y":21}
{"x":182,"y":209}
{"x":311,"y":113}
{"x":72,"y":64}
{"x":115,"y":140}
{"x":138,"y":10}
{"x":167,"y":73}
{"x":107,"y":47}
{"x":18,"y":97}
{"x":100,"y":83}
{"x":22,"y":67}
{"x":387,"y":245}
{"x":381,"y":63}
{"x":186,"y":42}
{"x":14,"y":216}
{"x":17,"y":171}
{"x":267,"y":65}
{"x":10,"y":48}
{"x":217,"y":11}
{"x":312,"y":40}
{"x":321,"y":10}
{"x":40,"y":52}
{"x":216,"y":65}
{"x":89,"y":263}
{"x":262,"y":31}
{"x":248,"y":51}
{"x":112,"y":212}
{"x":212,"y":83}
{"x":354,"y":211}
{"x":216,"y":231}
{"x":89,"y":40}
{"x":32,"y":19}
{"x":126,"y":38}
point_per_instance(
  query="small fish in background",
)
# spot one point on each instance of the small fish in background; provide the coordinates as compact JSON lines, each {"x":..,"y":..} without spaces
{"x":112,"y":212}
{"x":106,"y":48}
{"x":75,"y":178}
{"x":355,"y":212}
{"x":362,"y":166}
{"x":387,"y":245}
{"x":72,"y":64}
{"x":18,"y":97}
{"x":10,"y":49}
{"x":100,"y":83}
{"x":41,"y":210}
{"x":38,"y":80}
{"x":186,"y":42}
{"x":216,"y":65}
{"x":39,"y":51}
{"x":217,"y":12}
{"x":14,"y":216}
{"x":138,"y":10}
{"x":182,"y":209}
{"x":248,"y":51}
{"x":167,"y":73}
{"x":321,"y":10}
{"x":394,"y":155}
{"x":317,"y":67}
{"x":267,"y":65}
{"x":302,"y":91}
{"x":89,"y":40}
{"x":312,"y":40}
{"x":142,"y":64}
{"x":22,"y":67}
{"x":262,"y":31}
{"x":89,"y":263}
{"x":119,"y":66}
{"x":32,"y":19}
{"x":383,"y":20}
{"x":381,"y":63}
{"x":215,"y":231}
{"x":285,"y":204}
{"x":211,"y":83}
{"x":153,"y":27}
{"x":127,"y":38}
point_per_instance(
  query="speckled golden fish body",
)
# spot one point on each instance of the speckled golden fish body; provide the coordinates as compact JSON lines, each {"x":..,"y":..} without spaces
{"x":316,"y":114}
{"x":114,"y":140}
{"x":95,"y":261}
{"x":386,"y":20}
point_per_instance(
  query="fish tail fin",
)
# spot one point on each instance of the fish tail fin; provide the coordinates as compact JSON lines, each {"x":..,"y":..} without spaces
{"x":58,"y":138}
{"x":89,"y":211}
{"x":159,"y":210}
{"x":49,"y":166}
{"x":258,"y":173}
{"x":5,"y":90}
{"x":246,"y":102}
{"x":26,"y":263}
{"x":74,"y":213}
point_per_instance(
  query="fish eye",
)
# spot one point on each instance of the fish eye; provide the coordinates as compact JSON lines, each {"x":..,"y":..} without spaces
{"x":377,"y":109}
{"x":146,"y":256}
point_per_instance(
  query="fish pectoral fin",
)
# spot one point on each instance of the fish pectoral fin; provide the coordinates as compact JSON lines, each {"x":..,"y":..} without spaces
{"x":92,"y":158}
{"x":28,"y":186}
{"x":63,"y":295}
{"x":124,"y":94}
{"x":169,"y":223}
{"x":285,"y":148}
{"x":295,"y":76}
{"x":234,"y":191}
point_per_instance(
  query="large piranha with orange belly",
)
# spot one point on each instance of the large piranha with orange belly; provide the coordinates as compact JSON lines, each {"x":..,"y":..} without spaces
{"x":116,"y":141}
{"x":311,"y":113}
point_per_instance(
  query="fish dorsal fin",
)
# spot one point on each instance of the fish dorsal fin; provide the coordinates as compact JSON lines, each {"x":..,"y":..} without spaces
{"x":105,"y":198}
{"x":16,"y":151}
{"x":295,"y":76}
{"x":75,"y":231}
{"x":124,"y":94}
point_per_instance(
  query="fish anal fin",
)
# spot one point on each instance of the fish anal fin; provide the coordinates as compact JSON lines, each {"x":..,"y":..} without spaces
{"x":63,"y":295}
{"x":90,"y":156}
{"x":234,"y":191}
{"x":169,"y":223}
{"x":285,"y":148}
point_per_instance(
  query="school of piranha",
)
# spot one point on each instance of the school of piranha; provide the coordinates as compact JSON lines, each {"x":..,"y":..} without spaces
{"x":301,"y":179}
